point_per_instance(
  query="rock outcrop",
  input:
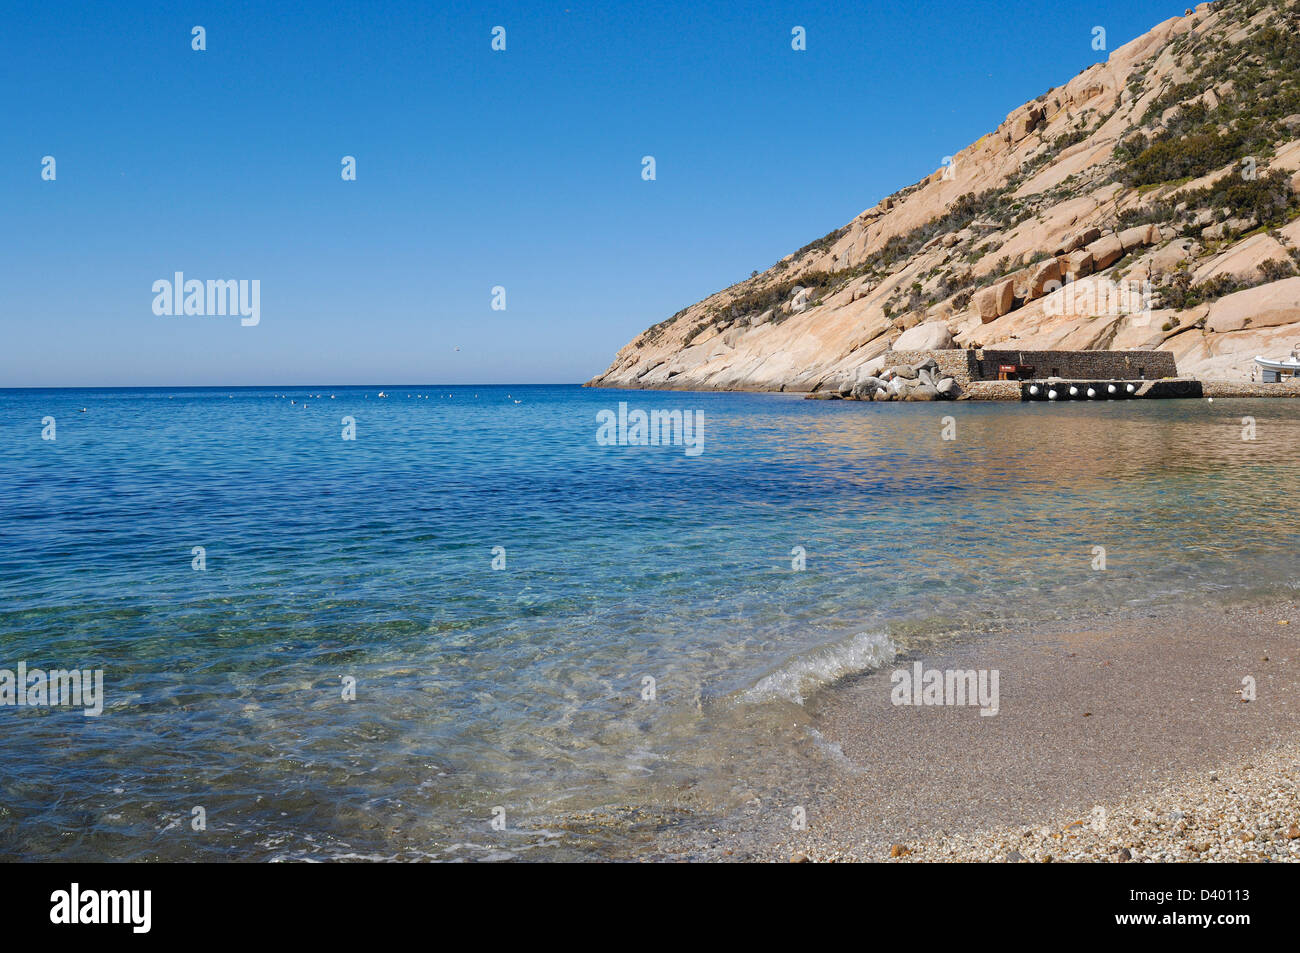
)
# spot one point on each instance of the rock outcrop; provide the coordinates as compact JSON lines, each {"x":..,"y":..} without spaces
{"x":921,"y":381}
{"x":934,"y":336}
{"x":1148,"y":202}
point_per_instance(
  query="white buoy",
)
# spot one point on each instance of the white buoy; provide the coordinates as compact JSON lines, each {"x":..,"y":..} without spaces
{"x":1091,"y":393}
{"x":1131,"y":388}
{"x":1110,"y":388}
{"x":1051,"y":395}
{"x":1074,"y":391}
{"x":1033,"y":390}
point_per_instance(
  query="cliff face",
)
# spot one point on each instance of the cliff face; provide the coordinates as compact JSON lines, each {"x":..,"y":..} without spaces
{"x":1176,"y":162}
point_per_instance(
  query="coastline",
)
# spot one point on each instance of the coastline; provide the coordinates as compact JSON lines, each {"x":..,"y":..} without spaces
{"x":1007,"y":391}
{"x":1139,"y":714}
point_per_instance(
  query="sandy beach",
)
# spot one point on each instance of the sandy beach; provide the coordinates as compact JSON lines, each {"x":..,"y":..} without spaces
{"x":1126,"y":739}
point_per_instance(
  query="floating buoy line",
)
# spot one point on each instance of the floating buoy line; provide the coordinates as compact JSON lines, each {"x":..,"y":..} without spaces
{"x":1098,"y":390}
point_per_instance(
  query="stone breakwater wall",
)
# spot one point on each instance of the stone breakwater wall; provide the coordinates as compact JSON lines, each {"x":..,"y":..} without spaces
{"x":957,"y":364}
{"x":1249,"y":389}
{"x":969,"y":366}
{"x":1081,"y":365}
{"x":993,"y":390}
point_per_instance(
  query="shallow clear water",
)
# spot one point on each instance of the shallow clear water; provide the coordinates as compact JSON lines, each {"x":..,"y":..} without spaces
{"x":521,"y":688}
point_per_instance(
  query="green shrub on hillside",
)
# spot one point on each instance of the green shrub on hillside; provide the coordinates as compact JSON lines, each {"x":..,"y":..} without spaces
{"x":1268,"y":199}
{"x":1245,"y":121}
{"x":1170,"y":157}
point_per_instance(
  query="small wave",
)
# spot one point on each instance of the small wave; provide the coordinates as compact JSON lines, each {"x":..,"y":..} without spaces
{"x":801,"y":675}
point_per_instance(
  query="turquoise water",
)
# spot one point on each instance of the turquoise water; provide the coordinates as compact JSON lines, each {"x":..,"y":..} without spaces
{"x":522,"y":687}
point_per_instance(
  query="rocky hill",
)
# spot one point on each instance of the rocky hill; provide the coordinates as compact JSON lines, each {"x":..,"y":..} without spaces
{"x":1176,"y":162}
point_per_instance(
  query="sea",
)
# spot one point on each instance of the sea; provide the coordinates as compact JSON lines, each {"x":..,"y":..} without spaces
{"x":461,"y":623}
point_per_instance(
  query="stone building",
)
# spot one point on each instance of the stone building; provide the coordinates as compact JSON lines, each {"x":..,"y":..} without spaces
{"x":986,"y":364}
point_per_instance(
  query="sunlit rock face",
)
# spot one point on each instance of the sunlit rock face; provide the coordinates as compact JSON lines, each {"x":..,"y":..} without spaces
{"x":1165,"y":176}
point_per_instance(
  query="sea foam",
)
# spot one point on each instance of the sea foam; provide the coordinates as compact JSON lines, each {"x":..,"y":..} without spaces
{"x":801,"y":675}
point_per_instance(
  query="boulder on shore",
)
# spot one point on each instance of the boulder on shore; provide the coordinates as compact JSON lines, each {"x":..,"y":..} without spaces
{"x":1264,"y":306}
{"x":934,"y":336}
{"x":995,"y":301}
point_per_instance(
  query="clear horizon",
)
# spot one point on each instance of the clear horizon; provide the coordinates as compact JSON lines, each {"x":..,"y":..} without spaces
{"x":475,"y":170}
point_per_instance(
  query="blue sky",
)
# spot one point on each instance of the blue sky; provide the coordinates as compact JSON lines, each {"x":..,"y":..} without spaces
{"x":474,"y":169}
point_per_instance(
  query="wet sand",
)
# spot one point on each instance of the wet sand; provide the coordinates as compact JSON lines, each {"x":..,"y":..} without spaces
{"x":1099,"y":715}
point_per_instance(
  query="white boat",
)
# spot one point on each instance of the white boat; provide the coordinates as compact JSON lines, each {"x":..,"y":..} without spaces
{"x":1275,"y":369}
